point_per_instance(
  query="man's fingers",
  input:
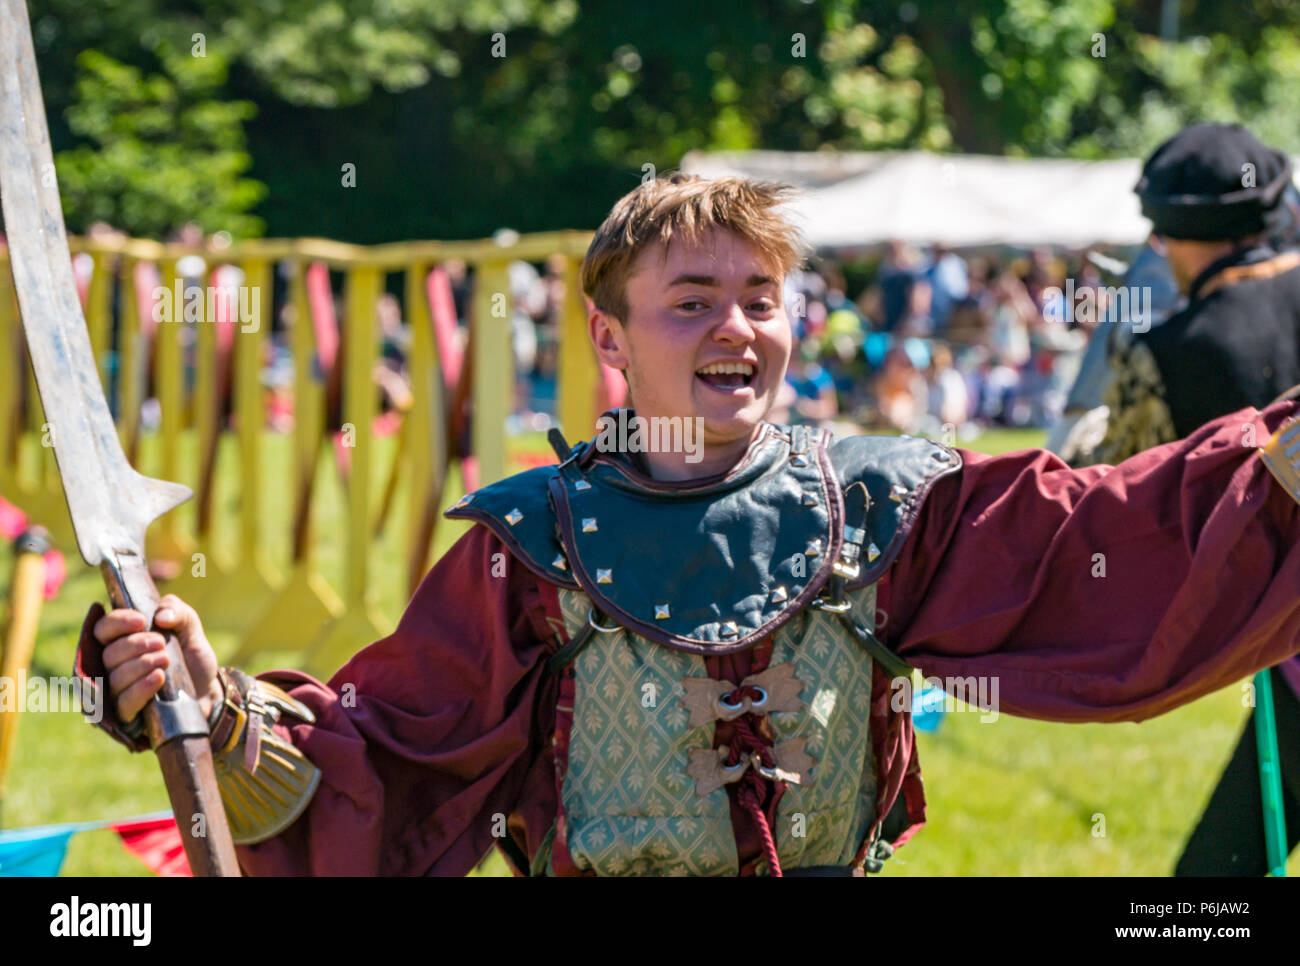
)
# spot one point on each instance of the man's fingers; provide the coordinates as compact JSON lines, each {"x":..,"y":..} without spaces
{"x":121,"y":678}
{"x":117,"y":623}
{"x":135,"y":655}
{"x":133,"y":645}
{"x":176,"y":615}
{"x":132,"y":701}
{"x":172,"y":611}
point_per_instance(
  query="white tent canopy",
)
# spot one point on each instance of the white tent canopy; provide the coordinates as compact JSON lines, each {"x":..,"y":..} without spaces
{"x":855,"y":199}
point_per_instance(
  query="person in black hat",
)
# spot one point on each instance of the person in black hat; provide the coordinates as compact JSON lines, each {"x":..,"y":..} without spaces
{"x":1218,"y":201}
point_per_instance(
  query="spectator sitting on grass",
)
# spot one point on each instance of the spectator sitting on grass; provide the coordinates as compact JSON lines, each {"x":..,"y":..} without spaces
{"x":815,"y":400}
{"x":948,"y":402}
{"x":901,"y":392}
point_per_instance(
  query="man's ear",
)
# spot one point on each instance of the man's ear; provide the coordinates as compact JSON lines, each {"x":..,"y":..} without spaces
{"x":607,"y":335}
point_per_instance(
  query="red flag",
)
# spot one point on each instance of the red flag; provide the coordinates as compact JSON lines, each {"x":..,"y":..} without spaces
{"x":13,"y":521}
{"x":157,"y":843}
{"x":56,"y":572}
{"x":442,"y":313}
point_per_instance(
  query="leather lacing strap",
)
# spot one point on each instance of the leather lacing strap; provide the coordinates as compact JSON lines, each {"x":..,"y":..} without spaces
{"x":798,"y":440}
{"x":748,"y":746}
{"x":882,"y":655}
{"x":835,"y":602}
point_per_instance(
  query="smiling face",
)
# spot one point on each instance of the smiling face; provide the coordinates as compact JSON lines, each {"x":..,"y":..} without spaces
{"x":706,"y":335}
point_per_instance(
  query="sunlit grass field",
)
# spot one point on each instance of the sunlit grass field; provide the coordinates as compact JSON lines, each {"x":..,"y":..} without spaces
{"x":1014,"y":797}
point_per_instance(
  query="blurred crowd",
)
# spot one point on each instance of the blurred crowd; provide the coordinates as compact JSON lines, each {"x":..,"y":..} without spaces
{"x":931,"y":341}
{"x":920,"y":340}
{"x":916,"y":341}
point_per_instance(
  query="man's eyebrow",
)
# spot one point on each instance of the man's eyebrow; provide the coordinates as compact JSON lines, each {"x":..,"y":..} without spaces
{"x":710,"y":282}
{"x":706,"y":280}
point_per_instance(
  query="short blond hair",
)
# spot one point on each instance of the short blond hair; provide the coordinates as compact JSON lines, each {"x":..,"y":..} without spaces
{"x":686,"y":206}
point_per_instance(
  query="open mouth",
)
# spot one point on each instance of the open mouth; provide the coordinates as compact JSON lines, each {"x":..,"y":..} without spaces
{"x":727,"y":376}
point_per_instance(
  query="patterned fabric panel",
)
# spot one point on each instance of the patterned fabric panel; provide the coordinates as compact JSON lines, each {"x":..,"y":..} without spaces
{"x":630,"y":808}
{"x":1139,"y":416}
{"x":824,"y":822}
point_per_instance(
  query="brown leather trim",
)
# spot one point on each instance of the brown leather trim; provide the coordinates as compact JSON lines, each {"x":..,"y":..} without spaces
{"x":230,"y":714}
{"x":1245,"y":273}
{"x":514,"y":546}
{"x":634,"y":475}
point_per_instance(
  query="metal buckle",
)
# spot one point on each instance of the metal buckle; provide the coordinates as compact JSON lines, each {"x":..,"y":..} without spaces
{"x":848,"y":569}
{"x":591,"y":621}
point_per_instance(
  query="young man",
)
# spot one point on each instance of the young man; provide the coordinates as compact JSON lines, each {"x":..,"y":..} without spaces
{"x":669,"y":662}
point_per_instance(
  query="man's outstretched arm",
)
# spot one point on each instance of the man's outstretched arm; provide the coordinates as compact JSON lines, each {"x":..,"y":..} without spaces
{"x":424,"y":740}
{"x":1109,"y":593}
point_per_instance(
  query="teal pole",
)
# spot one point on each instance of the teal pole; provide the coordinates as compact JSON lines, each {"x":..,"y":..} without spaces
{"x":1270,"y":775}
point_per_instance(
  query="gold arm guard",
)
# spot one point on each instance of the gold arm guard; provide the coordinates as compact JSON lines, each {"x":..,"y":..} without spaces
{"x":1281,"y":454}
{"x":265,"y":782}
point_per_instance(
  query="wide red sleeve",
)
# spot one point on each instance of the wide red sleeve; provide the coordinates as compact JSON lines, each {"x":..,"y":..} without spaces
{"x":1108,"y":593}
{"x":425,"y":739}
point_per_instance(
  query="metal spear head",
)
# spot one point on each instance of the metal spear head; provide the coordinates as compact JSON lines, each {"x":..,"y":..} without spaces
{"x":110,"y":503}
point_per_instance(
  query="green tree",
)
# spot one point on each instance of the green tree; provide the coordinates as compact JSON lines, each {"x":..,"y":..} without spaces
{"x":162,"y":150}
{"x":464,"y":115}
{"x":1214,"y":78}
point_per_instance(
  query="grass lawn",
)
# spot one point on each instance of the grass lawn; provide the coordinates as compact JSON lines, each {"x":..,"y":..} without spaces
{"x":1014,"y":797}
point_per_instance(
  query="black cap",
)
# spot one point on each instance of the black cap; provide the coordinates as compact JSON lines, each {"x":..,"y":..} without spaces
{"x":1213,"y":182}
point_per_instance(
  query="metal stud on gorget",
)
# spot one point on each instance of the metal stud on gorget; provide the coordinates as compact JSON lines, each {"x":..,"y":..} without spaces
{"x":798,"y":459}
{"x":661,"y":612}
{"x":809,"y":500}
{"x":813,"y":549}
{"x":582,"y":485}
{"x":604,"y":576}
{"x":559,"y":563}
{"x":729,"y":629}
{"x":588,"y":524}
{"x":897,"y":492}
{"x":779,"y":596}
{"x":514,"y":516}
{"x":872,"y":551}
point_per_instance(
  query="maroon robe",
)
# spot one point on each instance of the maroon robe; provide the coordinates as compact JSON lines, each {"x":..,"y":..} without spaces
{"x":444,"y":734}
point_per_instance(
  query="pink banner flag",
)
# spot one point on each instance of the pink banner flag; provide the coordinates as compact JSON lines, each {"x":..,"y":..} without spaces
{"x":157,"y":843}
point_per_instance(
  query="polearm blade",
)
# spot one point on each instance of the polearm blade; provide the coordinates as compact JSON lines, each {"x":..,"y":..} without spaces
{"x":111,"y":505}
